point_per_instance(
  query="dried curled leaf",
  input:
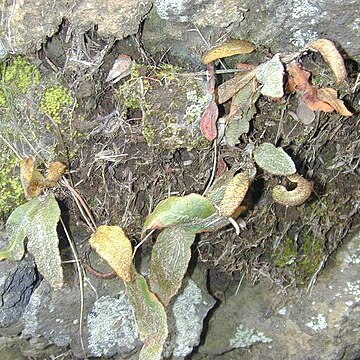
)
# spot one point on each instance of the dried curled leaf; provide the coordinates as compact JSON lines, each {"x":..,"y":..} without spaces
{"x":111,"y":243}
{"x":234,"y":194}
{"x":294,"y":197}
{"x":33,"y":181}
{"x":329,"y":96}
{"x":274,"y":160}
{"x":151,"y":318}
{"x":169,"y":261}
{"x":231,"y":47}
{"x":323,"y":99}
{"x":332,"y":56}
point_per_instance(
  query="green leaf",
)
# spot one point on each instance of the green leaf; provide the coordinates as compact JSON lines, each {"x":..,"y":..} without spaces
{"x":150,"y":318}
{"x":274,"y":160}
{"x":177,"y":210}
{"x":241,"y":112}
{"x":169,"y":261}
{"x":111,"y":243}
{"x":37,"y":220}
{"x":16,"y":227}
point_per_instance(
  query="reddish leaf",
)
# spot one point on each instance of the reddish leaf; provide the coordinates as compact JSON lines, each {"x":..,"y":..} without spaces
{"x":208,"y":121}
{"x":299,"y":82}
{"x":221,"y":166}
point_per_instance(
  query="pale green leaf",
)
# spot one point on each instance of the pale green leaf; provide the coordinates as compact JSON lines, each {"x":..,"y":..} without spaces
{"x":274,"y":160}
{"x":43,"y":241}
{"x":271,"y":76}
{"x":111,"y":243}
{"x":241,"y":112}
{"x":37,"y":220}
{"x":150,"y":317}
{"x":16,"y":228}
{"x":177,"y":210}
{"x":169,"y":261}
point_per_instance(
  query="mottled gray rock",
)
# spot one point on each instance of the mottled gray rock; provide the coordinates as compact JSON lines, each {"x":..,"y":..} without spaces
{"x":17,"y":282}
{"x":29,"y":23}
{"x":323,"y":324}
{"x":112,"y":328}
{"x":190,"y":309}
{"x":281,"y":26}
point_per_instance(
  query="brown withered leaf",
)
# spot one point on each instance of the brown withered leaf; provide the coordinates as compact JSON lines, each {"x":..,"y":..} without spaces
{"x":33,"y":181}
{"x":299,"y":82}
{"x":229,"y":88}
{"x":329,"y":96}
{"x":208,"y":121}
{"x":332,"y":56}
{"x":229,"y":48}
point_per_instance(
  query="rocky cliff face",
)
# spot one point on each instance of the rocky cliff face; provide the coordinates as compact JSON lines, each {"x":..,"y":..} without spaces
{"x":252,"y":322}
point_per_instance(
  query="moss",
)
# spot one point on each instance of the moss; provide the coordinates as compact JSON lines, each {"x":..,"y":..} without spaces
{"x":11,"y":191}
{"x":16,"y":78}
{"x":285,"y":254}
{"x":168,"y":72}
{"x":55,"y":101}
{"x":312,"y":252}
{"x":303,"y":256}
{"x":149,"y":134}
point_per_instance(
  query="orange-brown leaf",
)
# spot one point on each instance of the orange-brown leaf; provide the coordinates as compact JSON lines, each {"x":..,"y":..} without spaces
{"x":208,"y":121}
{"x":332,"y":56}
{"x":33,"y":181}
{"x":329,"y":96}
{"x":299,"y":82}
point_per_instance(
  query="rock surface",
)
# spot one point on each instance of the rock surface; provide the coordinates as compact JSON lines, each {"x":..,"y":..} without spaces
{"x":323,"y":323}
{"x":29,"y":23}
{"x":17,"y":282}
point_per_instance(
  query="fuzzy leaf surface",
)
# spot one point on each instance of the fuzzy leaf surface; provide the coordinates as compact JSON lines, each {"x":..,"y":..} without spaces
{"x":37,"y":220}
{"x":271,"y":76}
{"x":169,"y":261}
{"x":274,"y":160}
{"x":177,"y":210}
{"x":150,"y":317}
{"x":111,"y":243}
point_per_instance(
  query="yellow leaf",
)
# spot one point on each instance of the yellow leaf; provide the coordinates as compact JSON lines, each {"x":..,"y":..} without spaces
{"x":231,"y":47}
{"x":332,"y":56}
{"x":234,"y":194}
{"x":111,"y":243}
{"x":329,"y":96}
